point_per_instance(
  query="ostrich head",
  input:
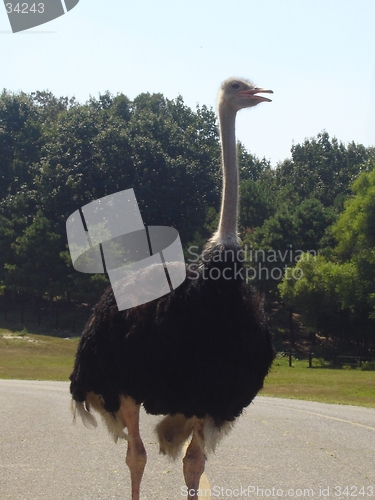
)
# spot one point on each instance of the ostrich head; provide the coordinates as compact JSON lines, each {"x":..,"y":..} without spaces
{"x":236,"y":93}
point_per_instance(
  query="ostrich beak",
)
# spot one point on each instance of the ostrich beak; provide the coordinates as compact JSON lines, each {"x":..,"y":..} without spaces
{"x":250,"y":94}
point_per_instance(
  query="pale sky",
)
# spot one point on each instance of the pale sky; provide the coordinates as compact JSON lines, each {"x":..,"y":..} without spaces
{"x":318,"y":56}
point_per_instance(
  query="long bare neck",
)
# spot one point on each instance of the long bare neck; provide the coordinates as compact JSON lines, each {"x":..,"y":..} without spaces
{"x":227,"y":230}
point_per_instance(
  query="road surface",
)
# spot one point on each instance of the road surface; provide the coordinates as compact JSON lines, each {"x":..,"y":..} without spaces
{"x":279,"y":448}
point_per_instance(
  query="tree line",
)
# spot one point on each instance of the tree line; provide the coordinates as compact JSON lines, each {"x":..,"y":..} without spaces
{"x":311,"y":216}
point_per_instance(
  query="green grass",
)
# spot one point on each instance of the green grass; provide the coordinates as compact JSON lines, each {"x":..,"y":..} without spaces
{"x":35,"y":357}
{"x":40,"y":357}
{"x":320,"y":383}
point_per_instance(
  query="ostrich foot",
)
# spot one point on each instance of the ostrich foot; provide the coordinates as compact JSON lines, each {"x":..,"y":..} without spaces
{"x":136,"y":453}
{"x":194,"y":461}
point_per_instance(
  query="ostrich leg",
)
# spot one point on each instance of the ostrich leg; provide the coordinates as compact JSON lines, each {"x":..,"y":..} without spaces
{"x":136,"y":453}
{"x":194,"y":461}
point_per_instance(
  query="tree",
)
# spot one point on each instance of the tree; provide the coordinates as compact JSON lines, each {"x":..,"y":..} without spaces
{"x":323,"y":168}
{"x":335,"y":294}
{"x":58,"y":155}
{"x":36,"y":265}
{"x":20,"y":139}
{"x":354,"y":231}
{"x":257,"y":190}
{"x":322,"y":292}
{"x":313,"y":219}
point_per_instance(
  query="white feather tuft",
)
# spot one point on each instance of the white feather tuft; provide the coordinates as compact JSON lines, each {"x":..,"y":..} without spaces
{"x":113,"y":422}
{"x":212,"y":434}
{"x":87,"y":418}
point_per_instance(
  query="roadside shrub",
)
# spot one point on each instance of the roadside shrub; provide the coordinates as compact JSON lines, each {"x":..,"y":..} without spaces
{"x":368,"y":366}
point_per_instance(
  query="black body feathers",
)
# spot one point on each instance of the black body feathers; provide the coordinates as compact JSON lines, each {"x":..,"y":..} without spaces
{"x":204,"y":349}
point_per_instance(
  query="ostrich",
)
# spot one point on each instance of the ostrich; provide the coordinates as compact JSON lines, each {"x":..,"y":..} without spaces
{"x":198,"y":356}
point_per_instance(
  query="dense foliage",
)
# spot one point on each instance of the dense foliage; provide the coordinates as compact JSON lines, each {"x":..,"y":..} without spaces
{"x":335,"y":291}
{"x":57,"y":155}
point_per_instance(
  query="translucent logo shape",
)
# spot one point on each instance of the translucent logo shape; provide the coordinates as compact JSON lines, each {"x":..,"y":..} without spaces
{"x":143,"y":262}
{"x":26,"y":15}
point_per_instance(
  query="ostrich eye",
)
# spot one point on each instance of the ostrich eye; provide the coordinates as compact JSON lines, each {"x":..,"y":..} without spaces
{"x":235,"y":85}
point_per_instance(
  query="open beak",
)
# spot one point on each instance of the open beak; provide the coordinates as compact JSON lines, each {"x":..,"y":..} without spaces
{"x":251,"y":94}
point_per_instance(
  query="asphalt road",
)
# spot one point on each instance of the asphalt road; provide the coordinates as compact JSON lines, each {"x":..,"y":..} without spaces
{"x":278,"y":449}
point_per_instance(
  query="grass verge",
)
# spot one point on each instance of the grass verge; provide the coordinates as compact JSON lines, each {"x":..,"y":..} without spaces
{"x":320,"y":383}
{"x":35,"y":357}
{"x":38,"y":357}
